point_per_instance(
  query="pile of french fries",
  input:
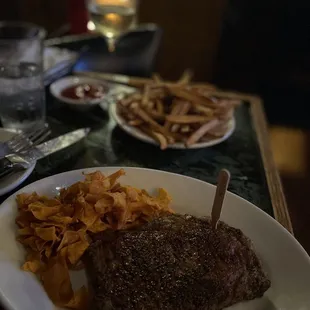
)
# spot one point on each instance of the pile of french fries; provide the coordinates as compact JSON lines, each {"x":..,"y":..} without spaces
{"x":178,"y":112}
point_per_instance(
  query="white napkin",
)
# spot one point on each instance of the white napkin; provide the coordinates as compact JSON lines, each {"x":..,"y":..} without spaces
{"x":53,"y":56}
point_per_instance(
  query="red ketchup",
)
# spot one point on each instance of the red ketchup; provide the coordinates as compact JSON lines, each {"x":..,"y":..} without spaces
{"x":84,"y":91}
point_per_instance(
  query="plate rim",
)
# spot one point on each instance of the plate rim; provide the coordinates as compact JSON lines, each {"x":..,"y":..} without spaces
{"x":132,"y":131}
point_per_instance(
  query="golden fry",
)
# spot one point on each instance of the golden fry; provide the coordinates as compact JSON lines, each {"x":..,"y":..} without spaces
{"x":156,"y":77}
{"x":228,"y":103}
{"x":203,"y":86}
{"x":156,"y":92}
{"x":201,"y":132}
{"x":150,"y":105}
{"x":156,"y":115}
{"x":187,"y":119}
{"x":136,"y":122}
{"x":191,"y":97}
{"x":143,"y":115}
{"x":130,"y":98}
{"x":159,"y":106}
{"x":158,"y":137}
{"x":145,"y":97}
{"x":186,"y":77}
{"x":184,"y":108}
{"x":203,"y":110}
{"x":175,"y":110}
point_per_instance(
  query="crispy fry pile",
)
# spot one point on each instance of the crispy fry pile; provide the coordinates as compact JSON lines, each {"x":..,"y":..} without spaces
{"x":178,"y":112}
{"x":55,"y":231}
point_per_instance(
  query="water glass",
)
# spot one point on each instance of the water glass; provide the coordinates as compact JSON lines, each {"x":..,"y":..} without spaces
{"x":22,"y":95}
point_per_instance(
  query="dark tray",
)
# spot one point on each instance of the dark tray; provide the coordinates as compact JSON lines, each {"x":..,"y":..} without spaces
{"x":246,"y":154}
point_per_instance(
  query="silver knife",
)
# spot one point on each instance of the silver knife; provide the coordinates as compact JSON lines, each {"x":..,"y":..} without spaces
{"x":23,"y":160}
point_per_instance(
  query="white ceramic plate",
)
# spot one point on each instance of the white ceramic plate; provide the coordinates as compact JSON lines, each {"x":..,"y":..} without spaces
{"x":133,"y":131}
{"x":8,"y":183}
{"x":79,"y":104}
{"x":284,"y":259}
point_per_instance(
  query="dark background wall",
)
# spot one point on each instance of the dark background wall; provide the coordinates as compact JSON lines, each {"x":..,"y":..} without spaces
{"x":265,"y":48}
{"x":48,"y":13}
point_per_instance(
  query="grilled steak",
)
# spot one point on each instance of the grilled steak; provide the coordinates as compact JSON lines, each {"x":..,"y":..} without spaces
{"x":173,"y":262}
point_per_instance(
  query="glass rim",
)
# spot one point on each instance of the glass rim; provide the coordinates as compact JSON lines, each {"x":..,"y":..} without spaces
{"x":27,"y":25}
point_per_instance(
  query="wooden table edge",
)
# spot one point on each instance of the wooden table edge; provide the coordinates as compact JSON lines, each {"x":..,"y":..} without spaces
{"x":278,"y":200}
{"x":275,"y":187}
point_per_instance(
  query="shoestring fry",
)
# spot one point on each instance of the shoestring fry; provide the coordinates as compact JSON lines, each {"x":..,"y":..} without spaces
{"x":178,"y":112}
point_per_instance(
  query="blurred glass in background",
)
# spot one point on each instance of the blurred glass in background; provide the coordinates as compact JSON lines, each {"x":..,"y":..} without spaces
{"x":112,"y":18}
{"x":22,"y":96}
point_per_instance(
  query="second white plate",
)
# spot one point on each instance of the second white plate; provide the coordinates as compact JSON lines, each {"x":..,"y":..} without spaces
{"x":135,"y":132}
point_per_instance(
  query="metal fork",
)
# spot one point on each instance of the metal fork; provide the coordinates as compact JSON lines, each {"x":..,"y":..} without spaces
{"x":23,"y":141}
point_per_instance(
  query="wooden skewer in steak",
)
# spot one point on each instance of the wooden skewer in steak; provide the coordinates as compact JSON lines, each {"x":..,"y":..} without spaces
{"x":173,"y":262}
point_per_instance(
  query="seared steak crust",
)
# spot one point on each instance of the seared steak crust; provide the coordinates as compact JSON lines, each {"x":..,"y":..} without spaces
{"x":174,"y":262}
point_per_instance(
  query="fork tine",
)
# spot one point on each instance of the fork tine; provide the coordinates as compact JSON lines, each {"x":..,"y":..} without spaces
{"x":25,"y":140}
{"x":20,"y":137}
{"x":36,"y":135}
{"x":18,"y":147}
{"x":42,"y":138}
{"x":39,"y":137}
{"x":23,"y":134}
{"x":37,"y":132}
